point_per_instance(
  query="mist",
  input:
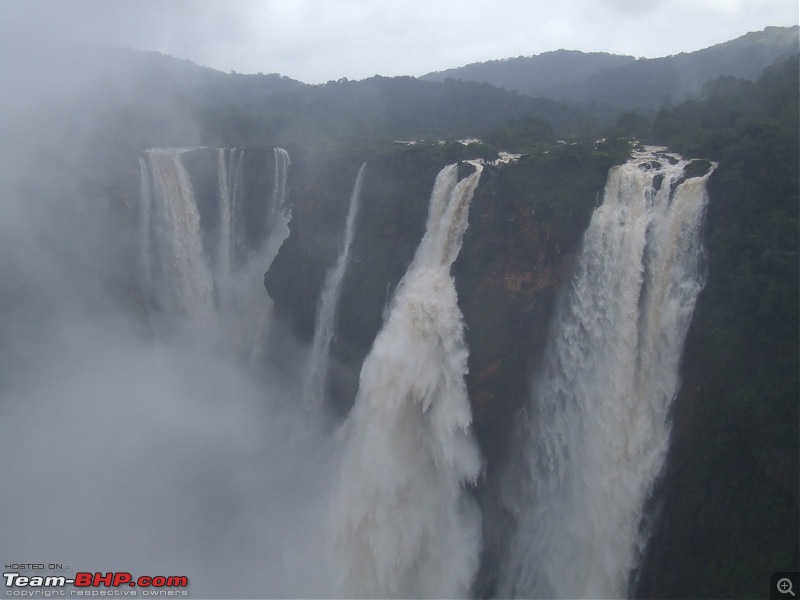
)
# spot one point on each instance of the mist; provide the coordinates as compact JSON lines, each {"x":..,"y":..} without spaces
{"x":133,"y":444}
{"x":160,"y":457}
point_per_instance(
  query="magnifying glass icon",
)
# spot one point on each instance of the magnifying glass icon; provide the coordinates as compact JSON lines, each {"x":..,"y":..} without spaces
{"x":785,"y":586}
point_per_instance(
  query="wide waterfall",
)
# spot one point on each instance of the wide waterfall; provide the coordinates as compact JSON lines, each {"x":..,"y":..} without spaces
{"x":403,"y":524}
{"x":597,"y":426}
{"x":176,"y":271}
{"x":314,"y":388}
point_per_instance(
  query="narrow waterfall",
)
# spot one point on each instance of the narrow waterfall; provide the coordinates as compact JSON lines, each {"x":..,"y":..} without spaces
{"x":145,"y":260}
{"x":180,"y":281}
{"x":597,"y":424}
{"x":403,"y":524}
{"x":235,"y":168}
{"x":225,"y":216}
{"x":277,"y":226}
{"x":282,"y":163}
{"x":276,"y":232}
{"x":314,"y":388}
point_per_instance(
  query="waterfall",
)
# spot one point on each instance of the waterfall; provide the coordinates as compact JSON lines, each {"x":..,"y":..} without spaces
{"x":177,"y":275}
{"x":403,"y":524}
{"x":179,"y":278}
{"x":276,"y":232}
{"x":235,"y":168}
{"x":597,"y":424}
{"x":230,"y":240}
{"x":225,"y":216}
{"x":282,"y":163}
{"x":277,"y":226}
{"x":145,"y":200}
{"x":314,"y":388}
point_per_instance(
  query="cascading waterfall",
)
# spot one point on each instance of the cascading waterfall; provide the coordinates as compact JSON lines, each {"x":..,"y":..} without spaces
{"x":277,"y":226}
{"x":314,"y":388}
{"x":282,"y":162}
{"x":277,"y":231}
{"x":145,"y":199}
{"x":403,"y":524}
{"x":597,"y":430}
{"x":225,"y":216}
{"x":176,"y":274}
{"x":229,"y":238}
{"x":179,"y":279}
{"x":235,"y":168}
{"x":229,"y":175}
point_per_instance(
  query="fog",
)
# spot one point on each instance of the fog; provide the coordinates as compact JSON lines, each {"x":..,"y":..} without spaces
{"x":127,"y":448}
{"x":159,"y":458}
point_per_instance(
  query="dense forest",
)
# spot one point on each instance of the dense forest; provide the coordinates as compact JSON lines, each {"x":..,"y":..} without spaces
{"x":624,"y":81}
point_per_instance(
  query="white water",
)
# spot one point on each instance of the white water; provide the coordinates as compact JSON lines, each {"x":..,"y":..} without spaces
{"x":403,"y":524}
{"x":314,"y":388}
{"x":229,"y":238}
{"x":177,"y":276}
{"x":236,"y":166}
{"x":598,"y":427}
{"x":145,"y":199}
{"x":225,"y":215}
{"x":277,"y":226}
{"x":276,"y":232}
{"x":182,"y":282}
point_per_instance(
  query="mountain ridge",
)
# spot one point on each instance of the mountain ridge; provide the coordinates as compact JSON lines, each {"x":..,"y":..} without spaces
{"x":625,"y":81}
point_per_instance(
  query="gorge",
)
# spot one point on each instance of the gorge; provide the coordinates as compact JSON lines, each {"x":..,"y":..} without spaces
{"x":328,"y":363}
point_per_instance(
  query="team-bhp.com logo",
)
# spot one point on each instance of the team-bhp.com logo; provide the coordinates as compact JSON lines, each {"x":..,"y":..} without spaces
{"x":37,"y":585}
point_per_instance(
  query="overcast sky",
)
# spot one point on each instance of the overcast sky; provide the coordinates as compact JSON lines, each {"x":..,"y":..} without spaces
{"x":316,"y":41}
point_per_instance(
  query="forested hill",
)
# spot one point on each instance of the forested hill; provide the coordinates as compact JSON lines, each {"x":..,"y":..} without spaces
{"x":386,"y":108}
{"x":144,"y":99}
{"x":624,"y":81}
{"x":148,"y":99}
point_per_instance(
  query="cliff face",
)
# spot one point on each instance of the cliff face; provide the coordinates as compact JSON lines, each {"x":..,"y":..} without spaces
{"x":525,"y":223}
{"x":393,"y":207}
